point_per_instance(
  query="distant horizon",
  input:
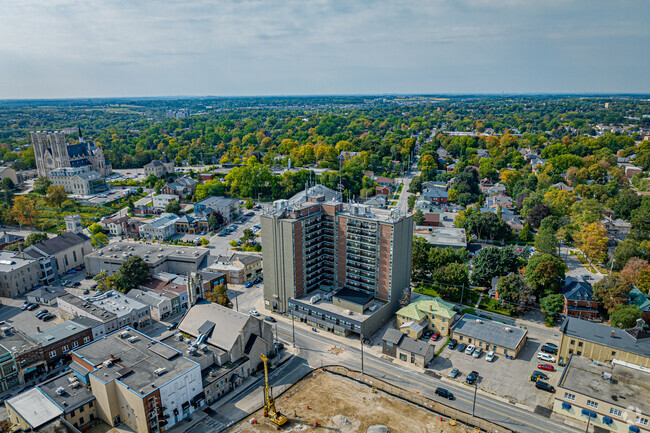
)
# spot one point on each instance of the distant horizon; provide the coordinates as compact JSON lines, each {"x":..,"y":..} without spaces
{"x":337,"y":95}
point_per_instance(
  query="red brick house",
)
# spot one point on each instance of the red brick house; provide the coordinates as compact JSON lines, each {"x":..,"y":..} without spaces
{"x":432,"y":220}
{"x":579,"y":299}
{"x":385,"y":190}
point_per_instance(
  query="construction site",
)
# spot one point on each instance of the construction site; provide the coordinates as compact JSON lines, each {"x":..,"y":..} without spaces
{"x":324,"y":401}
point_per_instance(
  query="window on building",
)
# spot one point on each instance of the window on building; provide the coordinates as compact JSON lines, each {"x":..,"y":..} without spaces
{"x":579,"y":352}
{"x":52,"y":354}
{"x":570,"y":351}
{"x":572,"y":342}
{"x":580,"y":344}
{"x":74,"y":344}
{"x":87,"y":339}
{"x":402,"y":357}
{"x":569,"y":396}
{"x":641,"y":421}
{"x":613,"y":353}
{"x":592,"y":404}
{"x":614,"y":411}
{"x":65,"y":348}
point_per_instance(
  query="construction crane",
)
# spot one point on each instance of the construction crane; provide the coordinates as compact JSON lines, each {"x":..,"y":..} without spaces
{"x":269,"y":402}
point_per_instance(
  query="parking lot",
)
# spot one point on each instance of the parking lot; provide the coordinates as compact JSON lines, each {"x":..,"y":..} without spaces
{"x":508,"y":378}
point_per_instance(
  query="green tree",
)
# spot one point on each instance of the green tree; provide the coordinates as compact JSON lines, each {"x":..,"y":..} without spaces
{"x":104,"y":281}
{"x":592,"y":241}
{"x":35,"y":238}
{"x":624,"y":316}
{"x":132,"y":272}
{"x":41,"y":184}
{"x":249,"y":203}
{"x":173,"y":207}
{"x":546,"y":242}
{"x":411,"y":201}
{"x":56,"y":195}
{"x":95,"y":228}
{"x":545,"y":274}
{"x":552,"y":305}
{"x":8,"y":184}
{"x":96,"y":238}
{"x":454,"y":274}
{"x":493,"y":262}
{"x":525,"y":234}
{"x":25,"y":211}
{"x":222,"y":296}
{"x":512,"y":288}
{"x":418,"y":218}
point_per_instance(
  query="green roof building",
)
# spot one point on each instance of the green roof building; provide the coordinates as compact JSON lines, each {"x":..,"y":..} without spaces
{"x":432,"y":314}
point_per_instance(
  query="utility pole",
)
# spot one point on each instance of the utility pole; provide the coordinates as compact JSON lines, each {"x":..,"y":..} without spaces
{"x":362,"y":354}
{"x":588,"y":422}
{"x":475,"y":391}
{"x":236,"y":303}
{"x":293,"y":330}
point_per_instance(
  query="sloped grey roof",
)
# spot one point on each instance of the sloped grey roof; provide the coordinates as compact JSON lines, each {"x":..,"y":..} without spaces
{"x":414,"y":346}
{"x":392,"y":336}
{"x":229,"y":323}
{"x":60,"y":243}
{"x":633,"y":340}
{"x":490,"y":331}
{"x":575,"y":289}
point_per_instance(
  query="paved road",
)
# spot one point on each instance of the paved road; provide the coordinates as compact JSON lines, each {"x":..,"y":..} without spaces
{"x":313,"y":347}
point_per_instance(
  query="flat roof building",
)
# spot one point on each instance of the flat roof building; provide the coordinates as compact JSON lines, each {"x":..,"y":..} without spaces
{"x":18,"y":273}
{"x":489,"y":335}
{"x":314,"y":241}
{"x":161,"y":258}
{"x":444,"y":237}
{"x":615,"y":396}
{"x":139,"y":381}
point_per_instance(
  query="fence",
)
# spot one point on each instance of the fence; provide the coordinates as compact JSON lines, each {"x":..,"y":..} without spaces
{"x":418,"y":399}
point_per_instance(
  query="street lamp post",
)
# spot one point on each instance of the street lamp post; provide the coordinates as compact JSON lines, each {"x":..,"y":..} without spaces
{"x":588,"y":422}
{"x":236,"y":303}
{"x":293,"y":331}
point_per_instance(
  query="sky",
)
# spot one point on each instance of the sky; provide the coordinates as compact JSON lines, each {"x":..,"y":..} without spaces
{"x":136,"y":48}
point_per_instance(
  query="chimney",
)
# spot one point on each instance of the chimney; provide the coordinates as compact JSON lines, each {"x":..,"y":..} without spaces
{"x":613,"y":333}
{"x":430,"y":307}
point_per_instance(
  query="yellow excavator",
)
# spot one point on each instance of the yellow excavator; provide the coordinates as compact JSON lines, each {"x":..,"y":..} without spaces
{"x":269,"y":402}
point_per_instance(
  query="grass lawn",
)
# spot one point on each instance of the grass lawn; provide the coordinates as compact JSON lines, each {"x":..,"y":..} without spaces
{"x":491,"y":304}
{"x":452,"y":294}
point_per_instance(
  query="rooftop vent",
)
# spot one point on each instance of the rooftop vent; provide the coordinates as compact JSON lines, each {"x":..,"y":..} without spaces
{"x":133,"y":339}
{"x":480,"y":321}
{"x":507,"y":329}
{"x":107,"y":363}
{"x":60,"y":390}
{"x":124,"y":334}
{"x":160,"y":371}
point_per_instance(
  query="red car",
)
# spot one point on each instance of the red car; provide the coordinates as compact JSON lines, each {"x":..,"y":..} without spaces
{"x":547,"y":367}
{"x":435,"y":336}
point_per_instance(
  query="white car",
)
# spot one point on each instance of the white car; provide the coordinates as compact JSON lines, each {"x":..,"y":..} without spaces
{"x":490,"y":356}
{"x":470,"y":349}
{"x":477,"y":352}
{"x":254,"y":313}
{"x":545,"y":357}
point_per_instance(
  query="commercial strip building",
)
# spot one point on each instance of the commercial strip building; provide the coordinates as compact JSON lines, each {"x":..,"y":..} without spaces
{"x":161,"y":258}
{"x":432,"y":314}
{"x":406,"y":349}
{"x":57,"y":341}
{"x":490,"y":335}
{"x":82,"y":308}
{"x":314,"y":242}
{"x":19,"y":273}
{"x":139,"y":381}
{"x":160,"y":305}
{"x":61,"y":397}
{"x":604,"y":343}
{"x":614,"y":397}
{"x":21,"y":359}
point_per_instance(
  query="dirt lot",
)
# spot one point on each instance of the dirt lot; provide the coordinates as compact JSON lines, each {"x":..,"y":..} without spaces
{"x":345,"y":406}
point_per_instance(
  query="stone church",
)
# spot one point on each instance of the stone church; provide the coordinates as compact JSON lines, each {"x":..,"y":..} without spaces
{"x":52,"y":152}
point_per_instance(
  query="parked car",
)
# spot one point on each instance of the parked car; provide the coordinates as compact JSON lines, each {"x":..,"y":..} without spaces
{"x":538,"y":375}
{"x":461,"y":347}
{"x":172,"y":326}
{"x":25,"y":306}
{"x":452,"y":344}
{"x":76,"y":284}
{"x":477,"y":353}
{"x":490,"y":356}
{"x":249,"y":284}
{"x":472,"y":378}
{"x":470,"y":349}
{"x":435,"y":336}
{"x":48,"y":317}
{"x":254,"y":313}
{"x":546,"y":367}
{"x":551,"y":345}
{"x":549,"y":349}
{"x":32,"y":307}
{"x":41,"y":313}
{"x":442,"y":392}
{"x":454,"y":373}
{"x":545,"y":357}
{"x":544,"y":386}
{"x":270,"y":319}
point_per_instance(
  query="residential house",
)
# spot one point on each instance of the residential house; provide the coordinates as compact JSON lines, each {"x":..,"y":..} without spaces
{"x":7,"y":239}
{"x":160,"y":167}
{"x":579,"y":299}
{"x":385,"y":181}
{"x":227,"y":207}
{"x":383,"y":190}
{"x":432,"y":219}
{"x":239,"y":268}
{"x":45,"y":295}
{"x":204,"y":177}
{"x":617,"y":229}
{"x":431,"y":314}
{"x":8,"y":173}
{"x":436,"y":193}
{"x":484,"y":184}
{"x":378,"y":201}
{"x":161,"y":201}
{"x":483,"y":153}
{"x":640,"y":300}
{"x":192,"y":225}
{"x":562,"y":186}
{"x":143,"y":211}
{"x":489,"y":335}
{"x":160,"y":304}
{"x":406,"y":349}
{"x":183,"y":187}
{"x":115,"y":226}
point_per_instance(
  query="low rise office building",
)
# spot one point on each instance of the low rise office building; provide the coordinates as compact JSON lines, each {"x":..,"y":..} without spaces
{"x":78,"y":308}
{"x":78,"y":180}
{"x":59,"y":340}
{"x":19,"y":273}
{"x":162,"y":227}
{"x":238,"y":268}
{"x":161,"y":258}
{"x":613,"y":397}
{"x":139,"y":381}
{"x":160,"y":305}
{"x":490,"y":335}
{"x":406,"y":349}
{"x":604,"y":343}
